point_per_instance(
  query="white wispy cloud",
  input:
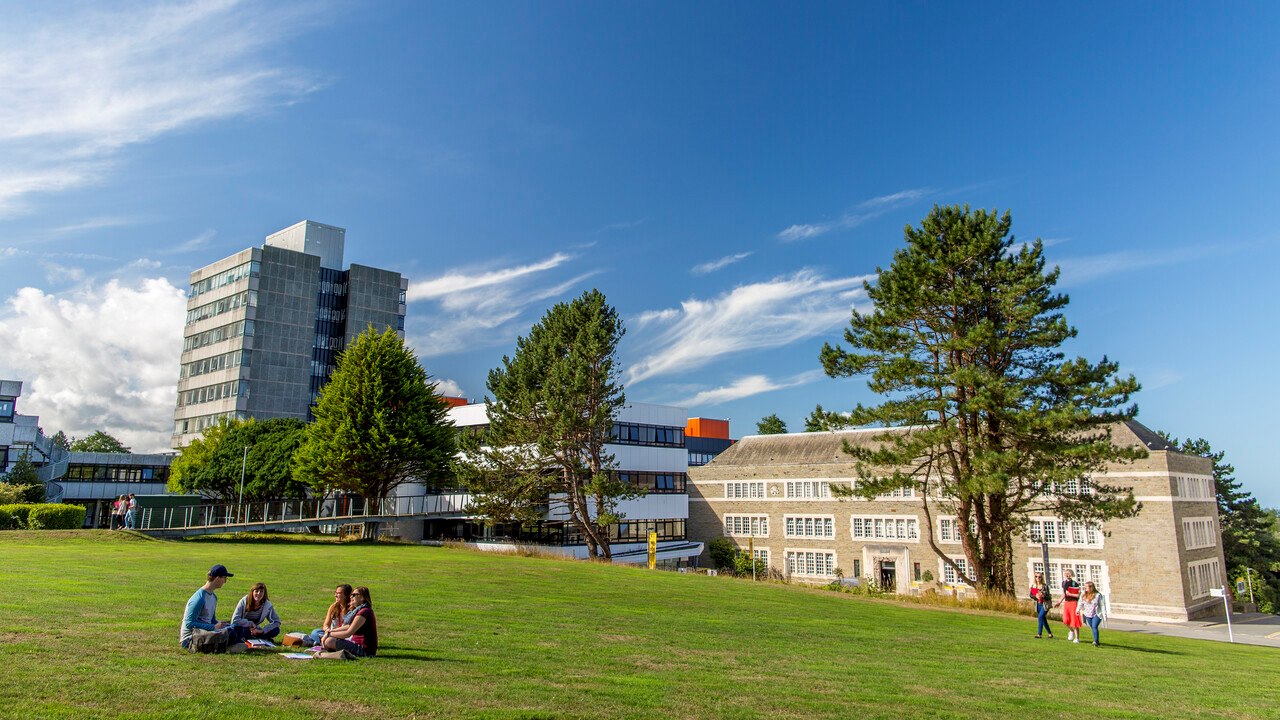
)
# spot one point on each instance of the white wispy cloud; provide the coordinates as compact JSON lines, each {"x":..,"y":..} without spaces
{"x":1082,"y":269}
{"x":862,"y":212}
{"x":727,"y":260}
{"x":750,"y":317}
{"x":485,"y":307}
{"x":746,"y":387}
{"x":199,"y":241}
{"x":100,"y":357}
{"x":83,"y":83}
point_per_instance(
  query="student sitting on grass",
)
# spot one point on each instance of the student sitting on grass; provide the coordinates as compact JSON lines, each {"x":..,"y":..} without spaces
{"x":256,"y":615}
{"x":200,"y":630}
{"x":338,"y":614}
{"x":360,"y":636}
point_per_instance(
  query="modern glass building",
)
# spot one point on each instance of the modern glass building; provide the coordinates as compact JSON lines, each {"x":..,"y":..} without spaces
{"x":264,"y":327}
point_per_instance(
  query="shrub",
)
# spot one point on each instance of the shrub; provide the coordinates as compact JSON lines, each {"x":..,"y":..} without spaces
{"x":742,"y":564}
{"x":8,"y":521}
{"x":723,"y":552}
{"x":12,"y":493}
{"x":56,"y":517}
{"x":18,"y":512}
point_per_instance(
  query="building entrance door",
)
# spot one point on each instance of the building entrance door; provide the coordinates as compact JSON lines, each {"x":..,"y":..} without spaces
{"x":888,"y":576}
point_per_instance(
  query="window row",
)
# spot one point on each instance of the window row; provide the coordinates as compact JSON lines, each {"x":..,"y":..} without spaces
{"x":1082,"y":572}
{"x":1203,"y":576}
{"x":1064,"y":533}
{"x":948,"y":530}
{"x":232,"y":359}
{"x":203,"y":422}
{"x":84,"y":472}
{"x":1199,"y":533}
{"x":810,"y":527}
{"x":218,"y":334}
{"x":1193,"y":488}
{"x":739,"y":490}
{"x":1070,"y":487}
{"x":655,"y":482}
{"x":746,"y":525}
{"x":235,"y":274}
{"x":821,"y":563}
{"x":248,"y":298}
{"x":808,"y":489}
{"x":659,"y":435}
{"x":217,"y":391}
{"x":885,"y":528}
{"x":697,"y":459}
{"x":331,"y":315}
{"x":329,"y":287}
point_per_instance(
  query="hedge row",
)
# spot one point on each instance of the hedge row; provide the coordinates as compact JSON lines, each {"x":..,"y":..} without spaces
{"x":45,"y":516}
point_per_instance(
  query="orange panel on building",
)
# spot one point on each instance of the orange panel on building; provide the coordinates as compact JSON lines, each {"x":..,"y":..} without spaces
{"x":707,"y":428}
{"x":454,"y":401}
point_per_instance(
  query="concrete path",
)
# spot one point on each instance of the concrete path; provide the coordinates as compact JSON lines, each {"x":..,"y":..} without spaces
{"x":1249,"y":628}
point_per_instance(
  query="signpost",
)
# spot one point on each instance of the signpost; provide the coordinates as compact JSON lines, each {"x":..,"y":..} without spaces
{"x":653,"y":549}
{"x":1226,"y":604}
{"x":751,"y":552}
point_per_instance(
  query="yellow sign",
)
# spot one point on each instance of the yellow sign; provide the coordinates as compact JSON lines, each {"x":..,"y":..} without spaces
{"x":653,"y":549}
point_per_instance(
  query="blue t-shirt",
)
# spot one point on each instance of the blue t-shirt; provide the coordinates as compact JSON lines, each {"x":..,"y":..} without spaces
{"x":201,"y":613}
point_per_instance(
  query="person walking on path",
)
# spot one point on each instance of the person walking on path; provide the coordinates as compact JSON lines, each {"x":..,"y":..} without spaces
{"x":1070,"y":597}
{"x":1044,"y":601}
{"x":117,"y":512}
{"x":130,"y":512}
{"x":1092,"y":609}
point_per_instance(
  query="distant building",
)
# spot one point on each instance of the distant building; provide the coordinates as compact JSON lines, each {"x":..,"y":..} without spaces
{"x":20,"y":434}
{"x":264,"y":327}
{"x":774,"y":490}
{"x":649,"y":451}
{"x":705,"y":439}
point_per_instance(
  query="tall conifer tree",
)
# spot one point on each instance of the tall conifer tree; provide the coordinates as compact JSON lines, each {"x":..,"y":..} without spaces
{"x":992,"y":422}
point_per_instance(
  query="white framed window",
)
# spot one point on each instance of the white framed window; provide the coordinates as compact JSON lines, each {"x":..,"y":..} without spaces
{"x":1193,"y":488}
{"x":819,"y":526}
{"x":948,"y":530}
{"x":1199,"y":532}
{"x":762,"y":555}
{"x":743,"y":490}
{"x":808,"y":489}
{"x":746,"y":525}
{"x":1083,"y":570}
{"x":948,"y":573}
{"x":1061,"y":533}
{"x":885,"y":527}
{"x":1203,"y":576}
{"x":897,"y":494}
{"x":813,"y":563}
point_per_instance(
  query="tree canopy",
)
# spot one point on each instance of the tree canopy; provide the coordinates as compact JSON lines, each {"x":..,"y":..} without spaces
{"x":22,"y":483}
{"x":820,"y":420}
{"x":553,"y":409}
{"x":378,"y":423}
{"x":99,"y":441}
{"x":985,"y":417}
{"x":211,"y":465}
{"x":771,"y":425}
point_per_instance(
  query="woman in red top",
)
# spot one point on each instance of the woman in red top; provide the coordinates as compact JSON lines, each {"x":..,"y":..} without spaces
{"x":360,"y":636}
{"x":1070,"y":596}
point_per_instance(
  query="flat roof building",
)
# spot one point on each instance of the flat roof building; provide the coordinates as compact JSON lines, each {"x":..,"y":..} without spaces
{"x":264,"y":327}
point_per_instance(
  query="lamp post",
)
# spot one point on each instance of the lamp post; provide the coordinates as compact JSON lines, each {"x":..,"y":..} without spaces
{"x":243,"y":462}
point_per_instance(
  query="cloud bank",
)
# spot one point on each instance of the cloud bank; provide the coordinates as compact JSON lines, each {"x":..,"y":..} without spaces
{"x":97,"y":358}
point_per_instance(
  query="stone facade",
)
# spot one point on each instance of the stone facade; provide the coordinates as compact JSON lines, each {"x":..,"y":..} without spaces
{"x":1144,"y":563}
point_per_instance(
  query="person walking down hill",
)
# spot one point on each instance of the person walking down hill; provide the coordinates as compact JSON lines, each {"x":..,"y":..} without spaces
{"x":256,"y":615}
{"x":117,"y":512}
{"x":130,"y":512}
{"x":1070,"y":596}
{"x":1044,"y":601}
{"x":1092,"y":609}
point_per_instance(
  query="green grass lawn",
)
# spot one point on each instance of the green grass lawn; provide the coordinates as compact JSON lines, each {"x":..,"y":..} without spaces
{"x":89,"y":628}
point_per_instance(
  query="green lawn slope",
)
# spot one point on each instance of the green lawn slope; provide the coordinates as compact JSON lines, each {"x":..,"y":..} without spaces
{"x":89,"y":628}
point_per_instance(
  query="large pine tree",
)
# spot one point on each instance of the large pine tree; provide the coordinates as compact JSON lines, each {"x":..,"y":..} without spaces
{"x":552,"y":412}
{"x":990,"y":422}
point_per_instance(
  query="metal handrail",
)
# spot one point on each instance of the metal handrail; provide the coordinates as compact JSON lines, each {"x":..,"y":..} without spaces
{"x":310,"y":511}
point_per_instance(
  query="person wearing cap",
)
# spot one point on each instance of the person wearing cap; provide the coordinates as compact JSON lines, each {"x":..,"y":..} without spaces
{"x":202,"y":609}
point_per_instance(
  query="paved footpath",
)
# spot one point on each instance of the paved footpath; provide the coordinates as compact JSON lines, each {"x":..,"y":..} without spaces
{"x":1249,"y":628}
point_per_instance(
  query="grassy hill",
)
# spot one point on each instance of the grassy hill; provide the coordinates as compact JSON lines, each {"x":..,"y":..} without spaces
{"x":89,"y":627}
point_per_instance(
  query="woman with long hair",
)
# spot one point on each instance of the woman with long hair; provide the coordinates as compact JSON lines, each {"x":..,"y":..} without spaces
{"x":1070,"y":595}
{"x":256,"y":615}
{"x":337,"y":615}
{"x":360,"y":636}
{"x":1092,"y":608}
{"x":1044,"y":601}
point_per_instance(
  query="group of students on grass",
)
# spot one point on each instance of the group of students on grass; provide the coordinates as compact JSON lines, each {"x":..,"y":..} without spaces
{"x":1079,"y":607}
{"x":350,"y":628}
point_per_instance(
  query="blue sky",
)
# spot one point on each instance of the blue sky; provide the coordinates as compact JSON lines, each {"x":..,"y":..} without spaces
{"x":727,"y":174}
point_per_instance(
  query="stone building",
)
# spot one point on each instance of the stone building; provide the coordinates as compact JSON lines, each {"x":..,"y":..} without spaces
{"x":774,"y":491}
